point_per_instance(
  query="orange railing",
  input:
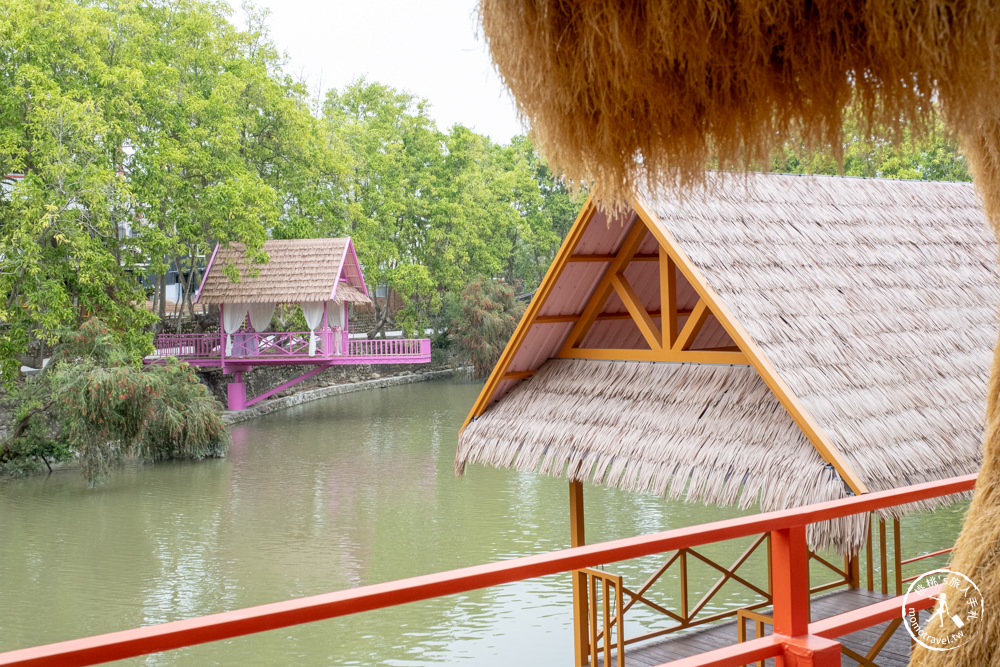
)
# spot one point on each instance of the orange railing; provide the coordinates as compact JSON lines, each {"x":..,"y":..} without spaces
{"x":810,"y":643}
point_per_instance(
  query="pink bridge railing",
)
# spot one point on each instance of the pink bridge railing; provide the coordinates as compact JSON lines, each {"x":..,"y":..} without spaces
{"x":390,"y":347}
{"x":286,"y":344}
{"x":187,"y":345}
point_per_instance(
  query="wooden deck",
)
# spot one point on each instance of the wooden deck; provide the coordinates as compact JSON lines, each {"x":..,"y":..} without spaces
{"x":896,"y":653}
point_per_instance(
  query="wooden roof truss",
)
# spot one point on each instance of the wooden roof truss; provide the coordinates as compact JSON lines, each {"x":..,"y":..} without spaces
{"x":673,"y":340}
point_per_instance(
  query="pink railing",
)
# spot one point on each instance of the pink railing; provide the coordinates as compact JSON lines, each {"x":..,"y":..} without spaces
{"x":187,"y":345}
{"x":390,"y":347}
{"x":795,"y":638}
{"x":287,"y":344}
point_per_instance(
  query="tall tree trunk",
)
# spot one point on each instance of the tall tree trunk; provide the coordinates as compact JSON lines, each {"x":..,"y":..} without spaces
{"x":194,"y":278}
{"x":161,"y":285}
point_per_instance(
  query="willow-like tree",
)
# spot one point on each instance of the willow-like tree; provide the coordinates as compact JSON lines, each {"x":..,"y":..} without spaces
{"x":92,"y":404}
{"x":488,"y":314}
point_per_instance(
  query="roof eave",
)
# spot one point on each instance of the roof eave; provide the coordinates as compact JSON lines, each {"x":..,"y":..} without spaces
{"x":207,"y":270}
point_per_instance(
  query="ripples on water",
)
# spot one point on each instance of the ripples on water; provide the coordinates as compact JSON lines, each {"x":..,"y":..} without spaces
{"x":352,"y":490}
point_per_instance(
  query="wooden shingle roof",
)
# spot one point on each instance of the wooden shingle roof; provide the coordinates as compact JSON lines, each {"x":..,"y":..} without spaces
{"x":298,"y":270}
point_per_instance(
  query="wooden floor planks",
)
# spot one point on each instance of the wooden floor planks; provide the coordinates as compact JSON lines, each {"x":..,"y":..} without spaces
{"x":896,"y":652}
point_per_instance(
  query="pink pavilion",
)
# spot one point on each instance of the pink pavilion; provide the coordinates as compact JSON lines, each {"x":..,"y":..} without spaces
{"x":323,"y":277}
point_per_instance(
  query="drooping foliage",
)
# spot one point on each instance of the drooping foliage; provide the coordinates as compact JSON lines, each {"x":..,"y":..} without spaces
{"x":90,"y":403}
{"x":488,"y":313}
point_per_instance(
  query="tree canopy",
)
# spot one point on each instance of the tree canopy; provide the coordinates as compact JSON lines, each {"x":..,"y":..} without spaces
{"x":136,"y":134}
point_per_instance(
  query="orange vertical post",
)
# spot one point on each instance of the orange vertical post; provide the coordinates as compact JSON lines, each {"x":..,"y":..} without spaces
{"x":790,"y":572}
{"x":581,"y":642}
{"x":811,"y":651}
{"x":854,"y":570}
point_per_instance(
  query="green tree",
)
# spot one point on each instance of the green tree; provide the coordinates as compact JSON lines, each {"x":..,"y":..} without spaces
{"x":392,"y":147}
{"x":488,"y":314}
{"x":934,"y":157}
{"x":61,"y":129}
{"x":93,"y":403}
{"x":135,"y":135}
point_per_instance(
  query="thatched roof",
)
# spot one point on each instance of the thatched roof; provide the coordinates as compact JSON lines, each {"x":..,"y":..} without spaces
{"x":298,"y":270}
{"x":872,"y":304}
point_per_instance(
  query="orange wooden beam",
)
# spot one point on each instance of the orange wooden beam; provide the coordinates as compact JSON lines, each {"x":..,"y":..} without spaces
{"x":603,"y":289}
{"x":691,"y":328}
{"x":668,"y":298}
{"x":666,"y":356}
{"x":518,"y":375}
{"x":611,"y":258}
{"x":635,"y":308}
{"x":564,"y":319}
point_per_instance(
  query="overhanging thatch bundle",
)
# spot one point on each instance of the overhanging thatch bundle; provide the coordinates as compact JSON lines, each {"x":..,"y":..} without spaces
{"x":871,"y":302}
{"x":705,"y":433}
{"x":620,"y":92}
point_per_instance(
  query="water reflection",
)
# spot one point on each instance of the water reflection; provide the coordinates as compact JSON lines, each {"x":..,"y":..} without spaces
{"x":352,"y":490}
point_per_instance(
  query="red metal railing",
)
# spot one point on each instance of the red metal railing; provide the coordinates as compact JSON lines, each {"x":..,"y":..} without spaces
{"x":809,"y":643}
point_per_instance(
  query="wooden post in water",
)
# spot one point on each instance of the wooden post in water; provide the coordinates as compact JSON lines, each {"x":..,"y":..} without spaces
{"x":581,"y":647}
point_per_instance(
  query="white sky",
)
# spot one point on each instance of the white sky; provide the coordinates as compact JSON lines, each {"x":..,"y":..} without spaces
{"x":429,"y":48}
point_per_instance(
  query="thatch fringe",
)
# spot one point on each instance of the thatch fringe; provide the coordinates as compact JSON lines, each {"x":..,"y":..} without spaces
{"x":712,"y":434}
{"x":625,"y":93}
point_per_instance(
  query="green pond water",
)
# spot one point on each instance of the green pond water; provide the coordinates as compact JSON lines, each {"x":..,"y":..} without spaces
{"x":350,"y":490}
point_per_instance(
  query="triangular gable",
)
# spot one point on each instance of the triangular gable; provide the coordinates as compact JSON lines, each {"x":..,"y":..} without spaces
{"x":623,"y":289}
{"x":350,"y":272}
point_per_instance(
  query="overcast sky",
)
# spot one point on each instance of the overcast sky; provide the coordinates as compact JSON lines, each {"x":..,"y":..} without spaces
{"x":428,"y":48}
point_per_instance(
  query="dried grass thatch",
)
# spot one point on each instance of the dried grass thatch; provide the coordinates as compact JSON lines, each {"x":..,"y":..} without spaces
{"x":712,"y":434}
{"x":621,"y":92}
{"x":873,"y":301}
{"x":297,"y":271}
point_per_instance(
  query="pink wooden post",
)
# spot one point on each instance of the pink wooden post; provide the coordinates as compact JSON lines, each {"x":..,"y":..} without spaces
{"x":236,"y":392}
{"x":326,"y":330}
{"x":222,"y":334}
{"x":345,"y":334}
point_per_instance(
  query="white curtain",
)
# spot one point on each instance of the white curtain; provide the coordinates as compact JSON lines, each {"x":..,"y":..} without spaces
{"x":260,"y":315}
{"x":335,"y":318}
{"x":232,"y":319}
{"x":313,"y":312}
{"x":335,"y":314}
